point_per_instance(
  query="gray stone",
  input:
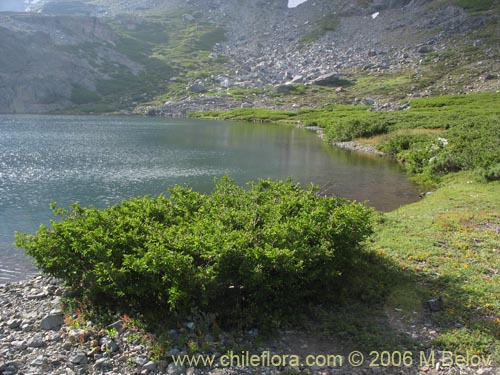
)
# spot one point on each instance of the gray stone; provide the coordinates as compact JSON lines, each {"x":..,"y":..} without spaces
{"x":39,"y":361}
{"x":150,"y":366}
{"x":173,"y":369}
{"x":489,"y":77}
{"x":36,"y":342}
{"x":19,"y":345}
{"x":14,"y":323}
{"x":196,"y":88}
{"x":425,"y":49}
{"x":10,"y":369}
{"x":435,"y":304}
{"x":102,"y":363}
{"x":187,"y":17}
{"x":329,"y":79}
{"x":52,"y":321}
{"x":37,"y":295}
{"x":76,"y":335}
{"x":111,"y":346}
{"x":78,"y":358}
{"x":26,"y":327}
{"x":173,"y":351}
{"x":140,"y":360}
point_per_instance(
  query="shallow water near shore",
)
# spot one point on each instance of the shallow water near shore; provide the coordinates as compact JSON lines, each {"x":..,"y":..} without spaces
{"x":100,"y":161}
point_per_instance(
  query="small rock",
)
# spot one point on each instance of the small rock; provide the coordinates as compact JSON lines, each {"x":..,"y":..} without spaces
{"x":435,"y":304}
{"x":36,"y":342}
{"x":489,"y":76}
{"x":76,"y":335}
{"x":140,"y":361}
{"x":196,"y":88}
{"x":150,"y":366}
{"x":425,"y":49}
{"x":173,"y":352}
{"x":173,"y":369}
{"x":102,"y":363}
{"x":37,"y":295}
{"x":39,"y":361}
{"x":26,"y":327}
{"x":52,"y":321}
{"x":78,"y":358}
{"x":19,"y":345}
{"x":14,"y":323}
{"x":110,"y":345}
{"x":67,"y":345}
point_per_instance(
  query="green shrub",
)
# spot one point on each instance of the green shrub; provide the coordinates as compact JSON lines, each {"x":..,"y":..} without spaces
{"x":401,"y":142}
{"x":492,"y":173}
{"x":82,"y":95}
{"x":350,"y":128}
{"x":251,"y":256}
{"x":471,"y":144}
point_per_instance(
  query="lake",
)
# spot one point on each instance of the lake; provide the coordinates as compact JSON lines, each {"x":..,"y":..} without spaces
{"x":100,"y":160}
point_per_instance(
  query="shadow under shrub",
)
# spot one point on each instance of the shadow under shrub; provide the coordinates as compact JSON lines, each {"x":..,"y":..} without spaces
{"x":251,"y":256}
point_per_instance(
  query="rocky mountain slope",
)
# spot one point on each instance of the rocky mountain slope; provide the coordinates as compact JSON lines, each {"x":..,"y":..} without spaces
{"x":174,"y":56}
{"x":44,"y":63}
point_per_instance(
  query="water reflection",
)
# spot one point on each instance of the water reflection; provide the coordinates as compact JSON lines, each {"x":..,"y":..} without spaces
{"x":102,"y":160}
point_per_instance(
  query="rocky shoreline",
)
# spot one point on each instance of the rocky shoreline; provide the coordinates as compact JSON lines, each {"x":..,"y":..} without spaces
{"x":36,"y":337}
{"x":349,"y":146}
{"x":359,"y":147}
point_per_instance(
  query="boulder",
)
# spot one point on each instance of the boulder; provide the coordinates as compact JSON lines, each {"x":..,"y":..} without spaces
{"x":196,"y":88}
{"x":425,"y":49}
{"x":329,"y":79}
{"x":52,"y":321}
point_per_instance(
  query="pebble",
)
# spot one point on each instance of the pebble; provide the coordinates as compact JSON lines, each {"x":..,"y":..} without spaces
{"x":63,"y":350}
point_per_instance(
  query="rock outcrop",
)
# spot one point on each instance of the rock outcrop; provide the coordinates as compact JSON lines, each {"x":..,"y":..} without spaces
{"x":47,"y":56}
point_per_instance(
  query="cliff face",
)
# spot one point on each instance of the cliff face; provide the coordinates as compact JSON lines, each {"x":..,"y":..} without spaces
{"x":83,"y":53}
{"x":44,"y":58}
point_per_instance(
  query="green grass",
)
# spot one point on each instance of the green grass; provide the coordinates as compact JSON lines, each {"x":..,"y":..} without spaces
{"x":165,"y":46}
{"x":445,"y":245}
{"x":449,"y":247}
{"x":82,"y":95}
{"x":475,"y":5}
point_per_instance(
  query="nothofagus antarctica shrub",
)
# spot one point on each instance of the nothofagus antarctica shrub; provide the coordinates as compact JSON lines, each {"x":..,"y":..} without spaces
{"x":248,"y":255}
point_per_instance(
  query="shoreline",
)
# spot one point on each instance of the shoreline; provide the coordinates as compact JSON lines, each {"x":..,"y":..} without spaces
{"x":354,"y":146}
{"x":38,"y":338}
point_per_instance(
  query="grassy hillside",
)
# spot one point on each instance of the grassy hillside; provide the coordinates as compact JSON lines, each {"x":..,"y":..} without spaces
{"x":173,"y":49}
